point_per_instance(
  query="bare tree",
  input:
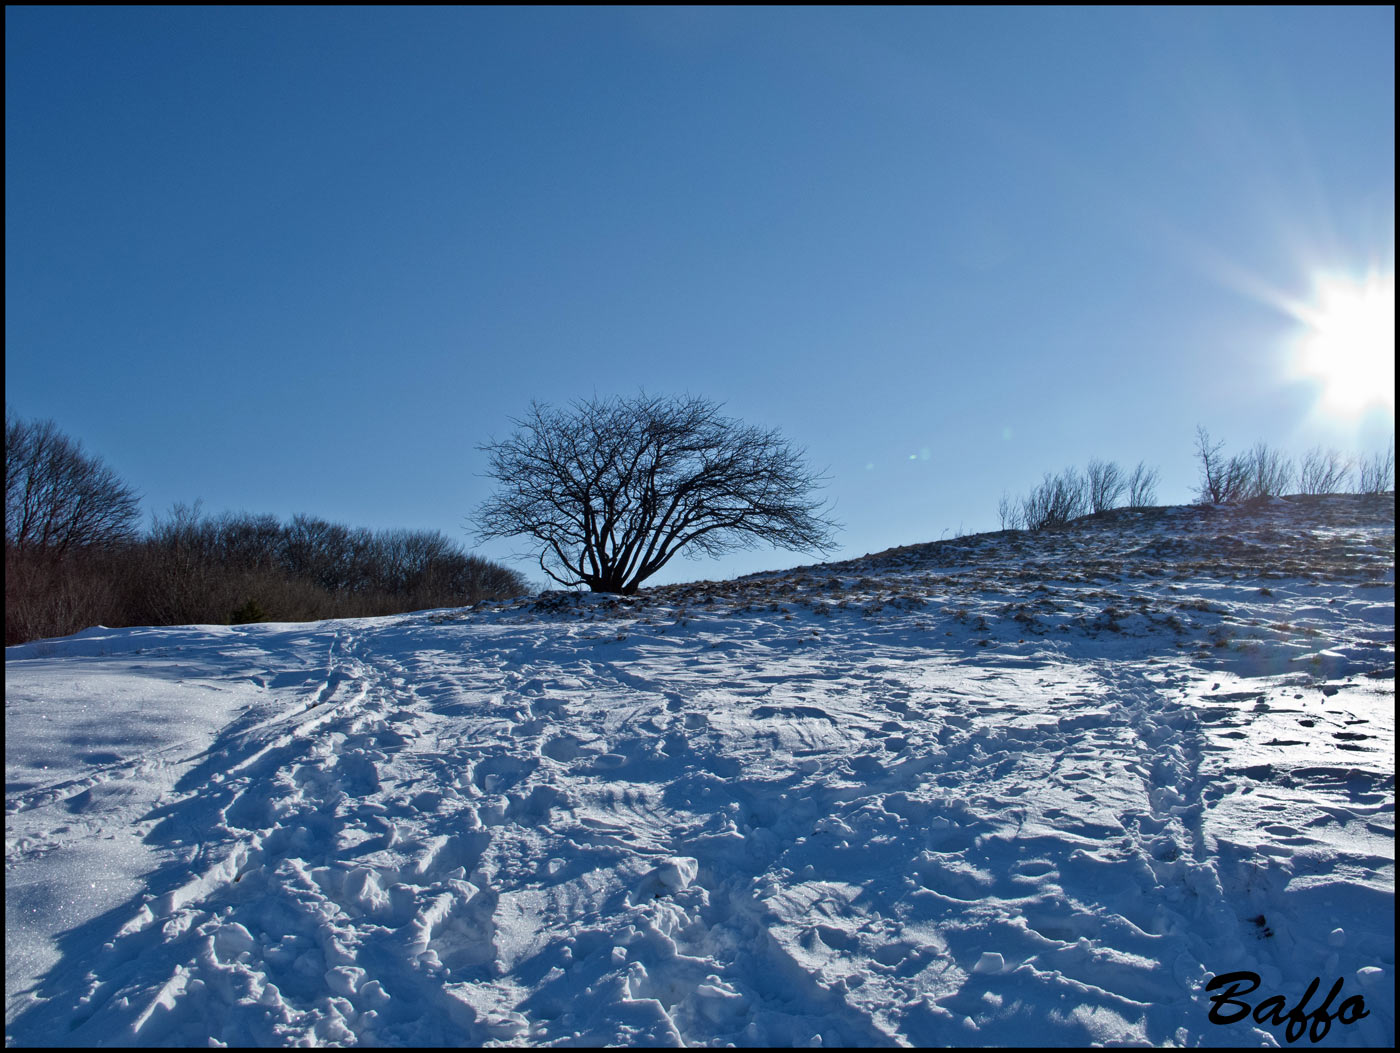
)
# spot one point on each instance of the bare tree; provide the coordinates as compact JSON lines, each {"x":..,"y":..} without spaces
{"x":1215,"y":469}
{"x":612,"y":489}
{"x":1237,"y":479}
{"x":57,"y":498}
{"x":1376,"y":474}
{"x":1323,"y":471}
{"x":1105,"y":484}
{"x":1142,"y":486}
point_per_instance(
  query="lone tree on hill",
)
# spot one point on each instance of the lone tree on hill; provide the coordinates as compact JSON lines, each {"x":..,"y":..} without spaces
{"x":613,"y":488}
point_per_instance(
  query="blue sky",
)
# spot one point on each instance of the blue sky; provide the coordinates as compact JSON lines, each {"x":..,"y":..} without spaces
{"x":306,"y":260}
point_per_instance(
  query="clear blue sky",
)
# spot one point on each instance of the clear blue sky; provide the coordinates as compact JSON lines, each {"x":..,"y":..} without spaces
{"x":305,"y":260}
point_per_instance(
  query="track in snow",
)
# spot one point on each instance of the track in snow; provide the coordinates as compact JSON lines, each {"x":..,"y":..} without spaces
{"x":740,"y":819}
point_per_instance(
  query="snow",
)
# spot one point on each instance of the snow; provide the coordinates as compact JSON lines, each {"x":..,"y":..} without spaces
{"x":1005,"y":789}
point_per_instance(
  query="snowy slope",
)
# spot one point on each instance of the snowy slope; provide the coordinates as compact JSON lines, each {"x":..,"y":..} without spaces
{"x":1006,"y":789}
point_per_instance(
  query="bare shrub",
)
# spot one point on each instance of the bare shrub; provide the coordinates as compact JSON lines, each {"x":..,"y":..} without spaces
{"x":1376,"y":474}
{"x":1222,"y":480}
{"x":1057,"y":500}
{"x":1262,"y":472}
{"x":182,"y":579}
{"x":1067,"y":496}
{"x":1104,"y":483}
{"x":44,"y":597}
{"x":250,"y":542}
{"x":73,"y":557}
{"x":1009,"y":512}
{"x":1323,"y":471}
{"x":193,"y":569}
{"x":1236,"y":480}
{"x":1268,"y":472}
{"x":1142,"y":486}
{"x":320,"y":552}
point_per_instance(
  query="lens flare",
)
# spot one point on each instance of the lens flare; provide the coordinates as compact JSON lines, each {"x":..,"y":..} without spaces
{"x":1349,"y":344}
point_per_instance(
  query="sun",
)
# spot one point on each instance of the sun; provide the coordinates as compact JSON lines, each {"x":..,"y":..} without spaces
{"x":1349,"y":344}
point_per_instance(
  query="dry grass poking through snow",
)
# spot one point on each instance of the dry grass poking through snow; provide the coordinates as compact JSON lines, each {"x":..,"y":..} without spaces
{"x":1219,"y":581}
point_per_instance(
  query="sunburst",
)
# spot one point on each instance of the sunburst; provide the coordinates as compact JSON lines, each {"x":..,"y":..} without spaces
{"x":1349,"y":344}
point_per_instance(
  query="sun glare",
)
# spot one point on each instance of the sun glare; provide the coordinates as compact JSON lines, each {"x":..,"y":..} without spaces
{"x":1349,"y":345}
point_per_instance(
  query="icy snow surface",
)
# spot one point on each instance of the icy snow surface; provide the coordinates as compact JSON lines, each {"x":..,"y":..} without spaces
{"x":1005,"y":789}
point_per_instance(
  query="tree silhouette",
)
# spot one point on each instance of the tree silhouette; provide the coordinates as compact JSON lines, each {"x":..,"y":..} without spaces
{"x":613,"y":488}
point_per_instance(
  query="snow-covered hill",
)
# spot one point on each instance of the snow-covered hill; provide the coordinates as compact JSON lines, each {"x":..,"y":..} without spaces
{"x":1005,"y":789}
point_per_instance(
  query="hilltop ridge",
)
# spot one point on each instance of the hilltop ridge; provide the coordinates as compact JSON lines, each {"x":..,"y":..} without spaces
{"x":1031,"y":583}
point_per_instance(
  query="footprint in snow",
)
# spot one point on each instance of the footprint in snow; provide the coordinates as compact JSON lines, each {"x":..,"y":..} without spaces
{"x":498,"y":773}
{"x":564,"y":748}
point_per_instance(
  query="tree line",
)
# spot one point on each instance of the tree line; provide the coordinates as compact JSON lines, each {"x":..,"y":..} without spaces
{"x":75,"y":557}
{"x":609,"y":490}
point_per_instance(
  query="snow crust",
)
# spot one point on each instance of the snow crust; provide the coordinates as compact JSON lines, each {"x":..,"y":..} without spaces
{"x":1005,"y":789}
